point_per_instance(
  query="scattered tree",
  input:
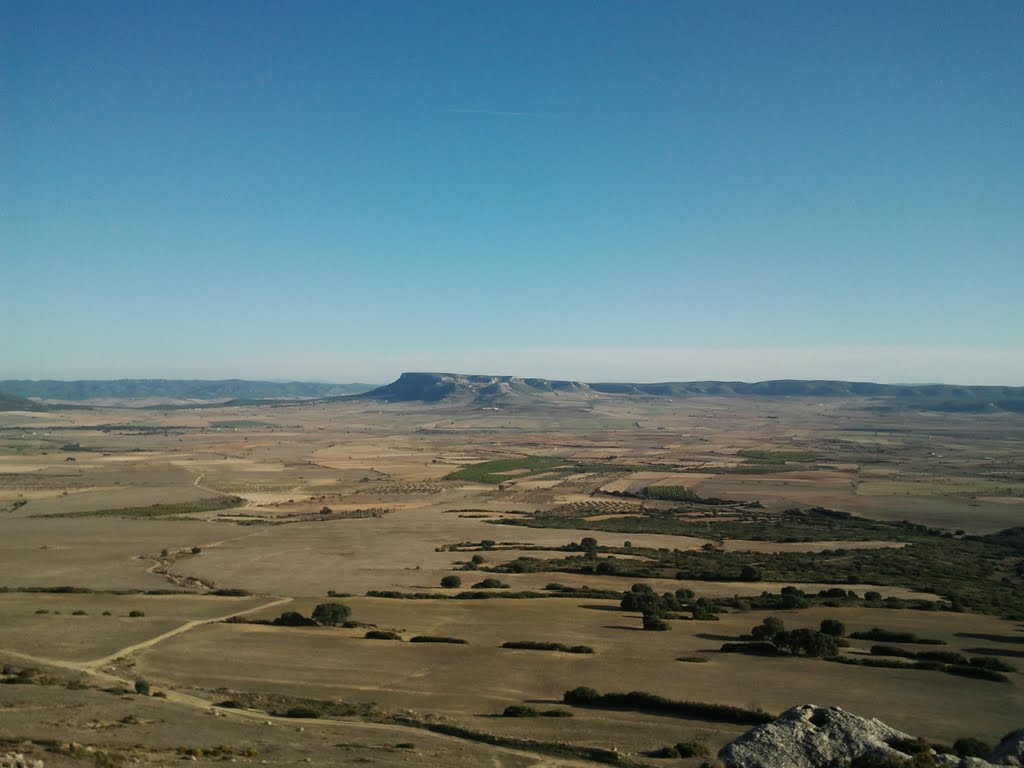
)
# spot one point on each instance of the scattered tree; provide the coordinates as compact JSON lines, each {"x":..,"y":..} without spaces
{"x":833,"y":627}
{"x":331,"y":614}
{"x":451,"y":582}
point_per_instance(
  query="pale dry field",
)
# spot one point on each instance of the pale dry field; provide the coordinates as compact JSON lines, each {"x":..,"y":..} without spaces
{"x":391,"y":462}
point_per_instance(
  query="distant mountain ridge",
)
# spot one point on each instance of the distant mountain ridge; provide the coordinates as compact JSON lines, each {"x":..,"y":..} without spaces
{"x":177,"y":389}
{"x":9,"y":402}
{"x":482,"y":389}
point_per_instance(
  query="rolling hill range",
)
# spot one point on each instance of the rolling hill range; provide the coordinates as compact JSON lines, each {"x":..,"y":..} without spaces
{"x":181,"y":390}
{"x":488,"y":391}
{"x":9,"y":402}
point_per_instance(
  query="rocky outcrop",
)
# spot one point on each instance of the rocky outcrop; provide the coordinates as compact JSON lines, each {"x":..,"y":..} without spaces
{"x":1010,"y":750}
{"x":815,"y":737}
{"x":18,"y":760}
{"x":811,"y":737}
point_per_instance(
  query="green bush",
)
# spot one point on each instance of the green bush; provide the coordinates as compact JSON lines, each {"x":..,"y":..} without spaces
{"x":142,"y":687}
{"x":969,"y":747}
{"x":833,"y":627}
{"x":301,"y":712}
{"x":292,"y":619}
{"x":518,"y":710}
{"x":433,"y":639}
{"x":691,"y":749}
{"x":655,"y":624}
{"x":331,"y":614}
{"x":451,"y":582}
{"x":382,"y":634}
{"x":489,"y":584}
{"x":136,"y":614}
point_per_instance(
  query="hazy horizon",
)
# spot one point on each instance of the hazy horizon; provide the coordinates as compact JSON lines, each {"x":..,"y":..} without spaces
{"x":586,"y":190}
{"x":635,"y":365}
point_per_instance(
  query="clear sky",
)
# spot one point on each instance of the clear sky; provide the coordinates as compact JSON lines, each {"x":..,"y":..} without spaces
{"x":600,"y":190}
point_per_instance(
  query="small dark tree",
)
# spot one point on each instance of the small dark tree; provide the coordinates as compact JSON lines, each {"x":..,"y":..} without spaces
{"x":654,"y":623}
{"x":588,"y":544}
{"x":768,"y":629}
{"x":331,"y":614}
{"x":293,"y":619}
{"x":968,"y":747}
{"x":142,"y":687}
{"x":807,"y":642}
{"x":476,"y":559}
{"x":750,"y":573}
{"x":451,"y":582}
{"x":833,"y":627}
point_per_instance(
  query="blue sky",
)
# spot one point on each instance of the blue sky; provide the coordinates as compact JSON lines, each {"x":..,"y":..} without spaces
{"x":599,"y":190}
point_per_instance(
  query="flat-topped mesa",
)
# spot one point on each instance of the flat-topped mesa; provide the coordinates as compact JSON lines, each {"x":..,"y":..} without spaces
{"x":478,"y":388}
{"x":433,"y":387}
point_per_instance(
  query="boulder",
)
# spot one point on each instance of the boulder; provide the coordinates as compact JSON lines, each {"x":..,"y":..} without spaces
{"x":815,"y":737}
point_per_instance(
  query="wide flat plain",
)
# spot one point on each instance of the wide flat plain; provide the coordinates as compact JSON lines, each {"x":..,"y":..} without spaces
{"x":355,"y":496}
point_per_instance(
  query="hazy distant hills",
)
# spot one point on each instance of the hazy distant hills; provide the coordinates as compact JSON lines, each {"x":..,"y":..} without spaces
{"x":479,"y":389}
{"x":9,"y":402}
{"x":482,"y":390}
{"x":183,"y":390}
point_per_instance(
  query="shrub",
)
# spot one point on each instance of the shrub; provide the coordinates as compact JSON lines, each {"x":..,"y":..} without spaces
{"x":807,"y":642}
{"x":293,"y":619}
{"x":532,"y":645}
{"x":451,"y":582}
{"x":433,"y":639}
{"x":833,"y":627}
{"x":136,"y":614}
{"x":872,"y":596}
{"x":750,"y":573}
{"x":768,"y":629}
{"x":331,"y":614}
{"x":655,"y":623}
{"x":490,"y":584}
{"x":142,"y":687}
{"x":979,"y":673}
{"x":969,"y":747}
{"x":990,"y":662}
{"x":751,"y":649}
{"x":382,"y":634}
{"x":79,"y":612}
{"x":477,"y":559}
{"x":518,"y":710}
{"x":691,"y":749}
{"x":302,"y":712}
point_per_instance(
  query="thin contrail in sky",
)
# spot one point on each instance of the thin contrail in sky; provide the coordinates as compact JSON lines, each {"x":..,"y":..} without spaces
{"x":495,"y":113}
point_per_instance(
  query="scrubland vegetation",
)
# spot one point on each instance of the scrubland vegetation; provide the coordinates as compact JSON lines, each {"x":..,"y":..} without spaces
{"x":656,"y":581}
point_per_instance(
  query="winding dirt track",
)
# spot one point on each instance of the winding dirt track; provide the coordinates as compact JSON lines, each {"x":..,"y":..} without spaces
{"x":94,"y":669}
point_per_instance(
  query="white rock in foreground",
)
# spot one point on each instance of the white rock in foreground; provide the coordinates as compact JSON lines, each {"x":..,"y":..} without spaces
{"x":820,"y":737}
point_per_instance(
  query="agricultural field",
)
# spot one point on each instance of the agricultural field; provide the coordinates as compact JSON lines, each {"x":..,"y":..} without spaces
{"x":162,"y":572}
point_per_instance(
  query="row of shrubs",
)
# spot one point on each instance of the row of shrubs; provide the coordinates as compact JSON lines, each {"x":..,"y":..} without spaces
{"x":978,"y":673}
{"x":533,"y":645}
{"x":888,"y":636}
{"x":593,"y":594}
{"x":943,"y":657}
{"x":649,"y":702}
